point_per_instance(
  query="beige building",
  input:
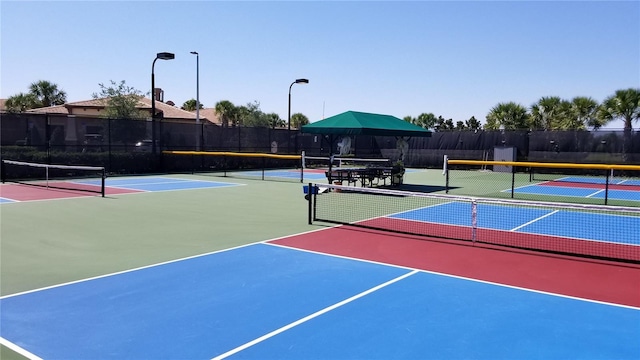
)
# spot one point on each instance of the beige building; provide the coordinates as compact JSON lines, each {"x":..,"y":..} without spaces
{"x":83,"y":120}
{"x":95,"y":108}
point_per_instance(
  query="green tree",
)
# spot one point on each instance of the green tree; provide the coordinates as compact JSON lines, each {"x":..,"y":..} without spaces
{"x":21,"y":102}
{"x":47,"y":93}
{"x":585,"y":112}
{"x":191,"y":105}
{"x":426,"y":120}
{"x":121,"y":104}
{"x":409,"y":119}
{"x":549,"y":113}
{"x":253,"y":116}
{"x":225,"y":111}
{"x":624,"y":104}
{"x":509,"y":116}
{"x":298,"y":120}
{"x":275,"y":121}
{"x":473,"y":124}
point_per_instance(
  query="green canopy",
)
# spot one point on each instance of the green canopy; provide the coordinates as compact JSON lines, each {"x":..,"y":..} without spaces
{"x":360,"y":123}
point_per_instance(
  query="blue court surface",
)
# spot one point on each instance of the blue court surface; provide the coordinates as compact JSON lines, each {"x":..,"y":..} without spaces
{"x":577,"y":192}
{"x":286,"y":174}
{"x":264,"y":301}
{"x":584,"y":225}
{"x":155,"y":183}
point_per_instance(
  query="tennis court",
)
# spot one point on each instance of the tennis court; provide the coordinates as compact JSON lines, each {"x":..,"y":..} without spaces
{"x":576,"y":188}
{"x":215,"y":270}
{"x":113,"y":186}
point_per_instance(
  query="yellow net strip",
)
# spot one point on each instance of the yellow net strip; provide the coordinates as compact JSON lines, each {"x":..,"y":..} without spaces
{"x":236,"y":154}
{"x":546,"y":165}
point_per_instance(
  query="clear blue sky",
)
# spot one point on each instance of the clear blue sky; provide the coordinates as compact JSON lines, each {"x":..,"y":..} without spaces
{"x":456,"y":58}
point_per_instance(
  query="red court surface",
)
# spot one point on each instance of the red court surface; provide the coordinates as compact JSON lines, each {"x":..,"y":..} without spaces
{"x":591,"y":185}
{"x":19,"y":192}
{"x":615,"y":283}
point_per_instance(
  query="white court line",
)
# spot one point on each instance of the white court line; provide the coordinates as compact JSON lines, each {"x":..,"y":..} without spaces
{"x":595,"y":193}
{"x":312,"y":316}
{"x":153,"y":265}
{"x":534,"y":220}
{"x":18,"y":349}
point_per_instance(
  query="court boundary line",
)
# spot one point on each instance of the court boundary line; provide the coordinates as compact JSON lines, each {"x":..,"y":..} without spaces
{"x":463,"y":277}
{"x":314,"y":315}
{"x":152,"y":265}
{"x":596,"y":193}
{"x":534,"y":220}
{"x":588,"y":196}
{"x":18,"y":349}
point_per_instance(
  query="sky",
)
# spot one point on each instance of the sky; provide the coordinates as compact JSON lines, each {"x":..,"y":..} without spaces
{"x":455,"y":59}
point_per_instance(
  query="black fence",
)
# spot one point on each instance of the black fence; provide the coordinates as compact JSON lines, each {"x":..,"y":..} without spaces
{"x":126,"y":146}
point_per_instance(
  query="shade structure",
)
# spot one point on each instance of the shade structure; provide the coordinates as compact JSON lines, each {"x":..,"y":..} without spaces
{"x":361,"y":123}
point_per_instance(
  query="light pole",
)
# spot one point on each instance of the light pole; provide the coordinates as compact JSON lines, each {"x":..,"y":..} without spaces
{"x":161,"y":56}
{"x":197,"y":99}
{"x":298,"y":81}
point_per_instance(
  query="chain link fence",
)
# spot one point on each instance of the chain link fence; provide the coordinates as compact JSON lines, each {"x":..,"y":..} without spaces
{"x":126,"y":146}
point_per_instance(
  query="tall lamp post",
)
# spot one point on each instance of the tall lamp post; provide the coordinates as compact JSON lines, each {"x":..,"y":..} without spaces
{"x":161,"y":56}
{"x":197,"y":99}
{"x":298,"y":81}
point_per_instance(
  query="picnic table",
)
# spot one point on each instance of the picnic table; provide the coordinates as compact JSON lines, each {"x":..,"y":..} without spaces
{"x":366,"y":176}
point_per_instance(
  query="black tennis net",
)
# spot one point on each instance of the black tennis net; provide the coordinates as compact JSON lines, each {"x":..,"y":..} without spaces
{"x":584,"y":230}
{"x":64,"y":177}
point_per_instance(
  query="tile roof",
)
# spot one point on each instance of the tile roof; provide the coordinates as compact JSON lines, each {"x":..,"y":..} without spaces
{"x":57,"y":109}
{"x":170,"y":112}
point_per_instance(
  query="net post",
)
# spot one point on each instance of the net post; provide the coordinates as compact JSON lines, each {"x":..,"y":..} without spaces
{"x":264,"y":161}
{"x":606,"y":187}
{"x":474,"y":220}
{"x":445,"y":172}
{"x":102,"y":185}
{"x":3,"y":172}
{"x":302,"y":166}
{"x":513,"y":180}
{"x":310,"y":198}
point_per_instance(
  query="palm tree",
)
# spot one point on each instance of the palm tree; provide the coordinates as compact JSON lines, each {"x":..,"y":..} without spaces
{"x":509,"y":116}
{"x":21,"y":102}
{"x":226,"y":111}
{"x":625,"y":105}
{"x":191,"y":105}
{"x":548,"y":113}
{"x":584,"y":110}
{"x":298,"y":120}
{"x":47,"y":93}
{"x":275,"y":121}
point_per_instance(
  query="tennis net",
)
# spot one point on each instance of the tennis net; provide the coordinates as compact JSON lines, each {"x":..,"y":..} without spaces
{"x":591,"y":231}
{"x":263,"y":166}
{"x":608,"y":184}
{"x":64,"y":177}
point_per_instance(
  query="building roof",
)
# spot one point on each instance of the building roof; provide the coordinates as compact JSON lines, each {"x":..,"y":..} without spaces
{"x":169,"y":111}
